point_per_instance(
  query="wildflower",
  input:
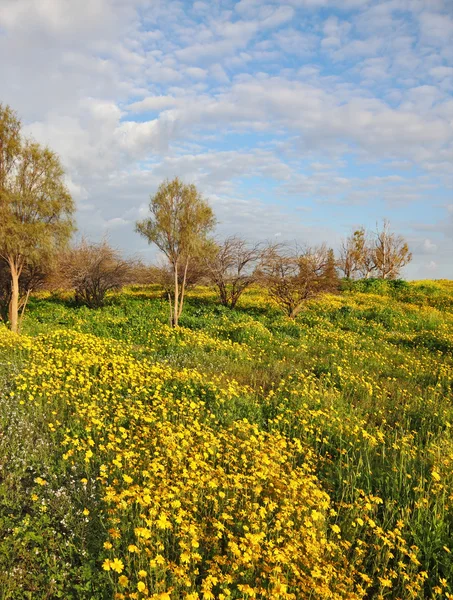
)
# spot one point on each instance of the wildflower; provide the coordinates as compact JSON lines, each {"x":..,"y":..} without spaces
{"x":435,"y":475}
{"x":163,"y":522}
{"x":117,"y":565}
{"x":106,"y":565}
{"x":335,"y":528}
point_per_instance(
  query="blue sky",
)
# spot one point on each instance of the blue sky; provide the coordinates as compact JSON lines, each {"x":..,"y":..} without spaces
{"x":298,"y":119}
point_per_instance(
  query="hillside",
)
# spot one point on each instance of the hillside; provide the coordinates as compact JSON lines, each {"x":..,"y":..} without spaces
{"x":243,"y":455}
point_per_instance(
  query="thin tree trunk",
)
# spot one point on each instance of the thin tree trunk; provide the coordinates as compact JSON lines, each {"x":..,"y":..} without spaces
{"x":22,"y":311}
{"x":176,"y":303}
{"x":14,"y":302}
{"x":183,"y":287}
{"x":171,"y":311}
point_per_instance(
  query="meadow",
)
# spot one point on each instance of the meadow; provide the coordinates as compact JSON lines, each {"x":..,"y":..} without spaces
{"x":242,"y":455}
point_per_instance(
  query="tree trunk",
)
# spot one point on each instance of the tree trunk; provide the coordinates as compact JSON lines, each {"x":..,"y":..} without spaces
{"x":22,"y":310}
{"x":183,"y":287}
{"x":14,"y":302}
{"x":176,"y":302}
{"x":171,"y":309}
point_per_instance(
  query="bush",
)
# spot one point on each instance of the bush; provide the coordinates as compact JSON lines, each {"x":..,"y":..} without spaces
{"x":93,"y":270}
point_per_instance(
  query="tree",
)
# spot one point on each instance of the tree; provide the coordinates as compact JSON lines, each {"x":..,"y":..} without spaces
{"x":356,"y":260}
{"x":329,"y":280}
{"x":179,"y":224}
{"x":35,"y":206}
{"x":162,"y":273}
{"x":232,"y":268}
{"x":32,"y":278}
{"x":390,"y":252}
{"x":93,"y":270}
{"x":295,"y":275}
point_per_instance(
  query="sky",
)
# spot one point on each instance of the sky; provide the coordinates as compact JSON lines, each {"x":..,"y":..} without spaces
{"x":299,"y":120}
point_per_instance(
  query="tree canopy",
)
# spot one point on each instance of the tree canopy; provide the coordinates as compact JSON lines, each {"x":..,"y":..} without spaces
{"x":178,"y":225}
{"x":36,"y":207}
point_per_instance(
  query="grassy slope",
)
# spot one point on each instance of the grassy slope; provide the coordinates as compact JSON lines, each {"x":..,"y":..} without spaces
{"x":363,"y":381}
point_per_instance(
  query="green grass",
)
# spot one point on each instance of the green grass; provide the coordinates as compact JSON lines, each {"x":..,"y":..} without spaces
{"x":365,"y":379}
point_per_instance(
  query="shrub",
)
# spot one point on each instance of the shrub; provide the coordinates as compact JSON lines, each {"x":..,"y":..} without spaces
{"x":93,"y":270}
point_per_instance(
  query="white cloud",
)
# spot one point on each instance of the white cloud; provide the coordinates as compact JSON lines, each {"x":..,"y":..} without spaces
{"x":335,"y":32}
{"x":436,"y":28}
{"x":273,"y":108}
{"x":292,"y":41}
{"x":441,"y":72}
{"x":196,"y":73}
{"x":429,"y":246}
{"x":153,"y":103}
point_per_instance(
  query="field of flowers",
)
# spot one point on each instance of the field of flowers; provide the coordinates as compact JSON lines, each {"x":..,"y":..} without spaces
{"x":242,"y":455}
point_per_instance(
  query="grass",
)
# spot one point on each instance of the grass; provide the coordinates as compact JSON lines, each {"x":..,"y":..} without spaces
{"x":243,"y":455}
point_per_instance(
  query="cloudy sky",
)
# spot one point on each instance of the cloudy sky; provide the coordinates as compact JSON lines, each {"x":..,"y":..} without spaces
{"x":298,"y":119}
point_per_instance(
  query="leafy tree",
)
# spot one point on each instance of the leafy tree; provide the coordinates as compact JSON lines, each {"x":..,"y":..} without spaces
{"x":356,"y":260}
{"x":329,"y":280}
{"x":35,"y":206}
{"x":295,"y":275}
{"x":179,"y":224}
{"x":382,"y":254}
{"x":390,"y":253}
{"x":232,"y":267}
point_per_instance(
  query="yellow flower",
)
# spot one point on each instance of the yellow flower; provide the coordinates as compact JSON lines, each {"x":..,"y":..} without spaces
{"x":117,"y":565}
{"x":106,"y":565}
{"x":123,"y":580}
{"x":141,"y":586}
{"x":107,"y":545}
{"x":86,"y":512}
{"x":142,"y":573}
{"x":335,"y":528}
{"x":163,"y":522}
{"x":435,"y":475}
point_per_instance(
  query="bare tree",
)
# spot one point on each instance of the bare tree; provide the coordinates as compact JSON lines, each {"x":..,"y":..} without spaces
{"x":141,"y":273}
{"x":179,"y":223}
{"x":93,"y":270}
{"x":295,"y":275}
{"x":232,"y":268}
{"x":390,"y":252}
